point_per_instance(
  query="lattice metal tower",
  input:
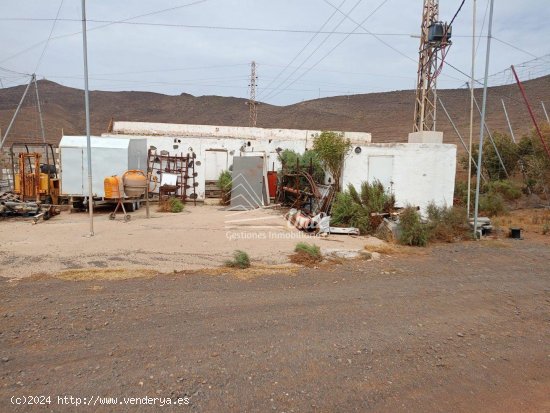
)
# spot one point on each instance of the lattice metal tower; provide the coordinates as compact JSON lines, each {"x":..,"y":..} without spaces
{"x":252,"y":104}
{"x":434,"y":37}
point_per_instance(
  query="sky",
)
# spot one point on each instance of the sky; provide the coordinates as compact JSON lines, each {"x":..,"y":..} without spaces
{"x":304,"y":49}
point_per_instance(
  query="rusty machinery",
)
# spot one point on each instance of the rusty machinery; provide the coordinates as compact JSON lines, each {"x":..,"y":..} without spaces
{"x":299,"y":190}
{"x":34,"y":180}
{"x":35,"y":184}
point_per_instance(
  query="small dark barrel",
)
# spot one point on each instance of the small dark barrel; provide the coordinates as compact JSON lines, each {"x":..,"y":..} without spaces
{"x":47,"y":169}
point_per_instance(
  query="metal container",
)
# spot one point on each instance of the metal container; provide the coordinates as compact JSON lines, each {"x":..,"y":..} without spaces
{"x":113,"y":187}
{"x":110,"y":156}
{"x":135,"y":183}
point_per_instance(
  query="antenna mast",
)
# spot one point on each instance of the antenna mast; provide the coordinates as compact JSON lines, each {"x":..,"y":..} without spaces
{"x":252,"y":104}
{"x":434,"y":37}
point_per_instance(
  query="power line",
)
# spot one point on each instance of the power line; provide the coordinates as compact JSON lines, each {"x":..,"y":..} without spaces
{"x":200,"y":26}
{"x":49,"y":37}
{"x":109,"y":23}
{"x":315,"y":50}
{"x":369,"y":32}
{"x":335,"y":47}
{"x":14,"y":71}
{"x":304,"y":48}
{"x":514,"y":47}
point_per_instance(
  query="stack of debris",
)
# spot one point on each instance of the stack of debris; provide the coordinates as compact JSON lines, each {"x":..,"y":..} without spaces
{"x":11,"y":205}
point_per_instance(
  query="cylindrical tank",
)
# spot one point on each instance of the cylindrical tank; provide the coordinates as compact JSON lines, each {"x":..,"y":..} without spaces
{"x":113,"y":187}
{"x":17,"y":183}
{"x":44,"y":183}
{"x":272,"y":183}
{"x":135,"y":183}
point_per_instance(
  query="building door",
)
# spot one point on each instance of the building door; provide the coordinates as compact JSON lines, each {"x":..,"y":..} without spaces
{"x":381,"y":169}
{"x":215,"y":162}
{"x":248,"y":189}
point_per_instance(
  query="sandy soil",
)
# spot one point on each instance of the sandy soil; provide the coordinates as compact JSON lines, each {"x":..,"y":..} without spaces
{"x":461,"y":328}
{"x":199,"y":237}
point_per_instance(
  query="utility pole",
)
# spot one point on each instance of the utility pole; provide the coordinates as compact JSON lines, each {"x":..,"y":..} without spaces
{"x":484,"y":107}
{"x":545,"y":112}
{"x":434,"y":37}
{"x":87,"y":108}
{"x":508,"y":121}
{"x":472,"y":91}
{"x":16,"y":112}
{"x":252,"y":104}
{"x":39,"y":109}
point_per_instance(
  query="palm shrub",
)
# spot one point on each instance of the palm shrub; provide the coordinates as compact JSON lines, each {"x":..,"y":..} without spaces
{"x":351,"y":208}
{"x":225,"y":183}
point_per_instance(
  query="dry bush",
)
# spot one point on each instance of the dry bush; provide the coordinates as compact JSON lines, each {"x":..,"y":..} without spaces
{"x":306,"y":254}
{"x":447,"y":224}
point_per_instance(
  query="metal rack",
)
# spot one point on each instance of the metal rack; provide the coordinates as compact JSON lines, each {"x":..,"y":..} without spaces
{"x":181,"y":166}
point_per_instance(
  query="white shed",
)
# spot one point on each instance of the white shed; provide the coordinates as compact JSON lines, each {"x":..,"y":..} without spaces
{"x":110,"y":156}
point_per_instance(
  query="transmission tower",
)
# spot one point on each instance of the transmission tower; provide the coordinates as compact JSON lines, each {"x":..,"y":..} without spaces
{"x":252,"y":104}
{"x":434,"y":38}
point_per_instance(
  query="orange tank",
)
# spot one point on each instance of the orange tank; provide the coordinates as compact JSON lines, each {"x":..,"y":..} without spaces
{"x":113,"y":187}
{"x":135,"y":183}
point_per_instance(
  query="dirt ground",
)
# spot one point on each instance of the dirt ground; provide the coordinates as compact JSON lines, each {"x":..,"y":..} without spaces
{"x":199,"y":237}
{"x":455,"y":328}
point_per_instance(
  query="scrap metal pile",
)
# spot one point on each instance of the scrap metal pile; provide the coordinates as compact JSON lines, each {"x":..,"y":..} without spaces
{"x":11,"y":205}
{"x":310,"y":202}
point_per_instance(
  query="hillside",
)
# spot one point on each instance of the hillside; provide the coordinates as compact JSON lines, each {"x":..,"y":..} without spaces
{"x":388,"y":116}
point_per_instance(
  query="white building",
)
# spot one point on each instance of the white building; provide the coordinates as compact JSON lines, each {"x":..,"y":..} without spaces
{"x":417,"y":173}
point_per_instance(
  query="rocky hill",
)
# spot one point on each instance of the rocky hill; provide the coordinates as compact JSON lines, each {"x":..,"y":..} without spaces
{"x":388,"y":116}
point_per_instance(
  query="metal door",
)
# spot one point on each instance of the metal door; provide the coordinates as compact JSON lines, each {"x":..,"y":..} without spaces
{"x":247,"y":188}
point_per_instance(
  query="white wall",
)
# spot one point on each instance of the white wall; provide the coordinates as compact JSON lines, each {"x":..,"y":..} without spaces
{"x":422,"y":173}
{"x":238,"y":132}
{"x":233,"y":146}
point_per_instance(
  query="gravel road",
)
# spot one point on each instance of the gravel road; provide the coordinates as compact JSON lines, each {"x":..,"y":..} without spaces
{"x":462,"y":328}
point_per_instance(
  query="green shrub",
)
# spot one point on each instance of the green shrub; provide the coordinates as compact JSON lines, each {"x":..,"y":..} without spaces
{"x":413,"y":232}
{"x":225,"y":181}
{"x":461,"y":192}
{"x":492,"y":204}
{"x":492,"y":168}
{"x":332,"y":149}
{"x":310,"y":249}
{"x":507,"y":189}
{"x":535,"y":160}
{"x":351,"y":208}
{"x":310,"y":159}
{"x":306,"y":254}
{"x":347,"y":212}
{"x":240,"y":260}
{"x":172,"y":204}
{"x":176,"y":205}
{"x":447,"y":224}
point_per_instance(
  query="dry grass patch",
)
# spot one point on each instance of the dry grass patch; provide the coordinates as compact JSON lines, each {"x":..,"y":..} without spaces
{"x":104,"y":274}
{"x":306,"y":254}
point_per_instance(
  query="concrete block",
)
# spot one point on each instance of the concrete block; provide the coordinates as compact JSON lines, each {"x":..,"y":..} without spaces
{"x":426,"y":137}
